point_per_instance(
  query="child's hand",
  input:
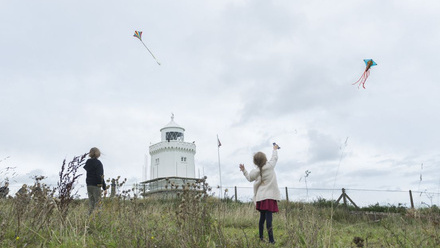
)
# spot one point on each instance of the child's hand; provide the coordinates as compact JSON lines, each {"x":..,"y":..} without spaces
{"x":241,"y":167}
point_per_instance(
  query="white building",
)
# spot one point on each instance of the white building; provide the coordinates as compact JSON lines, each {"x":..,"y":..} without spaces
{"x":172,"y":160}
{"x":172,"y":156}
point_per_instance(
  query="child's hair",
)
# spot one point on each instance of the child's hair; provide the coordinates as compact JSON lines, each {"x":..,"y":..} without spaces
{"x":94,"y":152}
{"x":260,"y":160}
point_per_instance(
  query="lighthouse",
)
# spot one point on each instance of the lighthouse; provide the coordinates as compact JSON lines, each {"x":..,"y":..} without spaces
{"x":172,"y":161}
{"x":172,"y":156}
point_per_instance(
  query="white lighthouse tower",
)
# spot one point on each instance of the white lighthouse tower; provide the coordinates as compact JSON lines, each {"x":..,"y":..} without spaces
{"x":172,"y":157}
{"x":172,"y":161}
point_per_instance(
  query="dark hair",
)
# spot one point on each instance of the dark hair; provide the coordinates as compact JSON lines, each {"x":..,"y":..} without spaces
{"x":260,"y":160}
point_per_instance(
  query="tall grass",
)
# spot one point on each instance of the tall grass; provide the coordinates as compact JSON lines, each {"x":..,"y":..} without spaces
{"x":193,"y":218}
{"x":190,"y":222}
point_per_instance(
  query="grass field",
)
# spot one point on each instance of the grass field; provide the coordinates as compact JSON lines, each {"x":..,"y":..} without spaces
{"x":51,"y":217}
{"x":195,"y":219}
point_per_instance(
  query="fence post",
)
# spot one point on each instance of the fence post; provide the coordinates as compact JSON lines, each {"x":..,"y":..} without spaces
{"x":344,"y":197}
{"x":287,"y":195}
{"x":235,"y":187}
{"x":113,"y":188}
{"x":411,"y":199}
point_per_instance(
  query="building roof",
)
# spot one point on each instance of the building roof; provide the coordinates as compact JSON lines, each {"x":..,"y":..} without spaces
{"x":172,"y":124}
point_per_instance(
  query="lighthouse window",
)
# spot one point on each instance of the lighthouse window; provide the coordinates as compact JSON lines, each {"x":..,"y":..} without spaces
{"x":183,"y":159}
{"x":174,"y":136}
{"x":157,"y":161}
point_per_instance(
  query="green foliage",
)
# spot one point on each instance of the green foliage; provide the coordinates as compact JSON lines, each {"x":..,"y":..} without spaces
{"x":190,"y":221}
{"x":323,"y":203}
{"x":400,"y":208}
{"x":193,"y":218}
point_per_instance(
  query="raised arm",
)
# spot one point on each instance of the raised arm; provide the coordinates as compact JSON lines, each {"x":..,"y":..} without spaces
{"x":250,"y":176}
{"x":273,"y":160}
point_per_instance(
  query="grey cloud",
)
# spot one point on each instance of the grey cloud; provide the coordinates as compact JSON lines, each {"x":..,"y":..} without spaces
{"x":323,"y":147}
{"x":72,"y":79}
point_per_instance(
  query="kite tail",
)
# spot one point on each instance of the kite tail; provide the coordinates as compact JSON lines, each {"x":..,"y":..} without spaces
{"x":362,"y":79}
{"x":150,"y":52}
{"x":367,"y":74}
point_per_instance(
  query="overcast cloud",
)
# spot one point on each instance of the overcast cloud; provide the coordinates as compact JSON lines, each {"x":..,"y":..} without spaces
{"x":73,"y":76}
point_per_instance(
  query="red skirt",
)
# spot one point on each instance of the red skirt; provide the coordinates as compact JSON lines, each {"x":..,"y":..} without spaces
{"x":267,"y":205}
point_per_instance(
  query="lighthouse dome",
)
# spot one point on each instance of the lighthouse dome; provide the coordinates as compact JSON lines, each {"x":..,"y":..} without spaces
{"x":172,"y":131}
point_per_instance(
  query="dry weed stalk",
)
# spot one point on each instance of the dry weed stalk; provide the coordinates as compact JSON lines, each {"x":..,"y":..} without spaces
{"x":33,"y":205}
{"x":193,"y":215}
{"x":65,"y":186}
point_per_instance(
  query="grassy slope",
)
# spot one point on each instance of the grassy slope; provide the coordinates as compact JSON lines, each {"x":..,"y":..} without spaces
{"x":207,"y":223}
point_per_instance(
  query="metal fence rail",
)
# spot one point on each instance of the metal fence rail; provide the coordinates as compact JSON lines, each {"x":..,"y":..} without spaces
{"x":362,"y":197}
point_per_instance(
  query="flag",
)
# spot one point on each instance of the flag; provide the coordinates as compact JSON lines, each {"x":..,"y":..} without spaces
{"x":219,"y":143}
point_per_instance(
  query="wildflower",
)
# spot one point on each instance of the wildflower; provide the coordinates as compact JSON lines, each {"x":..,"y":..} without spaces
{"x":152,"y":237}
{"x":17,"y":238}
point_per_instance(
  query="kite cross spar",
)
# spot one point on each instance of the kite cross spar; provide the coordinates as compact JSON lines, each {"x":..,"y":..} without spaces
{"x":138,"y":34}
{"x":361,"y":81}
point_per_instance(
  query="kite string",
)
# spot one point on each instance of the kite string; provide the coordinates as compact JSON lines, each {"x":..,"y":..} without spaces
{"x":339,"y":164}
{"x":333,"y":188}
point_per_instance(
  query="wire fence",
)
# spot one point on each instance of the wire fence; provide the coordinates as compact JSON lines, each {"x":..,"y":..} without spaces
{"x":361,"y":197}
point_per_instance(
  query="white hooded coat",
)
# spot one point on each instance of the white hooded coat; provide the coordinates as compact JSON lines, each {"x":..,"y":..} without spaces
{"x":267,"y":186}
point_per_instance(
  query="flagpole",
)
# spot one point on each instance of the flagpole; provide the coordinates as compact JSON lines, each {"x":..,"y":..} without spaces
{"x":219,"y":167}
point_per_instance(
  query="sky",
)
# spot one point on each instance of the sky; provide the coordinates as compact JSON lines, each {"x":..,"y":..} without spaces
{"x":73,"y":77}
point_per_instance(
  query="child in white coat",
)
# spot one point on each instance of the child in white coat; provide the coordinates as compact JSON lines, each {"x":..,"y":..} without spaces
{"x":266,"y":191}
